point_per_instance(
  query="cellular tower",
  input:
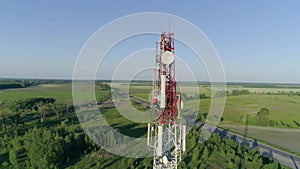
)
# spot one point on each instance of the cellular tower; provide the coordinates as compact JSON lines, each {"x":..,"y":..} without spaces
{"x":166,"y":135}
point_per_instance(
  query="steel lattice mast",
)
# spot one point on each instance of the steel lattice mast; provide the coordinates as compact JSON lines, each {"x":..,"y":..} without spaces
{"x":166,"y":136}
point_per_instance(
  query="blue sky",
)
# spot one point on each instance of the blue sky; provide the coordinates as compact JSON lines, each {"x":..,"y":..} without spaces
{"x":257,"y":41}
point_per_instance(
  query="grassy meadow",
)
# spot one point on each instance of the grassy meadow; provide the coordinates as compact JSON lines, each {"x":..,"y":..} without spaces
{"x":60,"y":92}
{"x":236,"y":109}
{"x":284,"y":108}
{"x":274,"y":136}
{"x":240,"y":111}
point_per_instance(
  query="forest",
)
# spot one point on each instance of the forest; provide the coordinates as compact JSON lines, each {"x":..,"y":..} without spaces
{"x":45,"y":133}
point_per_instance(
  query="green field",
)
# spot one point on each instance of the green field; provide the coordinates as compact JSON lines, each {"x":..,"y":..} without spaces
{"x":79,"y":151}
{"x":60,"y":92}
{"x":284,"y":109}
{"x":283,"y":103}
{"x":281,"y":137}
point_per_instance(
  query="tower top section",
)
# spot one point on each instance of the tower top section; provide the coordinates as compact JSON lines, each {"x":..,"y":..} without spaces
{"x":167,"y":42}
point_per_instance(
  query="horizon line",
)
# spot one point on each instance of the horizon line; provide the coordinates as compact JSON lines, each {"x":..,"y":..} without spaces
{"x":143,"y":80}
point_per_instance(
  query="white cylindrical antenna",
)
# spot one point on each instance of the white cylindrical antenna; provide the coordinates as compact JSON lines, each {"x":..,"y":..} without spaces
{"x":159,"y":150}
{"x":163,"y":91}
{"x":148,"y":136}
{"x":183,"y":132}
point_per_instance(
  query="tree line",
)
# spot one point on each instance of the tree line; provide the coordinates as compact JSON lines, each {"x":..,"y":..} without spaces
{"x":218,"y":152}
{"x":15,"y":84}
{"x":49,"y":148}
{"x":17,"y":112}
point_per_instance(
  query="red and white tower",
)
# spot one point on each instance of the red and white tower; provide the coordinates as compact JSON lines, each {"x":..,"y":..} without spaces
{"x":166,"y":135}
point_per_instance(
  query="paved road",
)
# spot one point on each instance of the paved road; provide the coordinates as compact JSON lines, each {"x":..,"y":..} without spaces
{"x":283,"y":157}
